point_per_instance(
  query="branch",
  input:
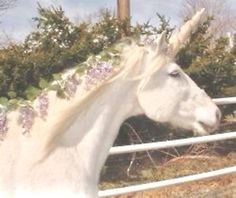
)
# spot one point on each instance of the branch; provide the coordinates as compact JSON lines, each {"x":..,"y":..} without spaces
{"x":6,"y":4}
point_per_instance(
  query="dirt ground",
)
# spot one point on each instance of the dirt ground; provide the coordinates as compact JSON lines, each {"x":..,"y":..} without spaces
{"x":217,"y":187}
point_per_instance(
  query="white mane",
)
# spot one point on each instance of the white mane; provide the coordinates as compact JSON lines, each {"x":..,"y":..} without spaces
{"x":65,"y":110}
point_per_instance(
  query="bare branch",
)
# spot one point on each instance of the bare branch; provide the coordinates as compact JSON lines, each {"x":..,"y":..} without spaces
{"x":6,"y":4}
{"x":134,"y":155}
{"x":224,"y":16}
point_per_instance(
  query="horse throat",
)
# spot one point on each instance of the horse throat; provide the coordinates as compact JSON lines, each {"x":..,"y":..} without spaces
{"x":95,"y":129}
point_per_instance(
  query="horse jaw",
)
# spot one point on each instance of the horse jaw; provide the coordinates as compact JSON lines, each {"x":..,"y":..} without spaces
{"x":169,"y":95}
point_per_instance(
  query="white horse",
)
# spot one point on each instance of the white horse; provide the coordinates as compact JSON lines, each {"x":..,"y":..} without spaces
{"x":62,"y":154}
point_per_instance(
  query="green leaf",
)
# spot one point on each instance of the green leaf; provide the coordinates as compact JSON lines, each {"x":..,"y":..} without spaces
{"x":3,"y":101}
{"x":12,"y":104}
{"x":43,"y":83}
{"x":56,"y":76}
{"x":31,"y":92}
{"x":61,"y":94}
{"x":11,"y":94}
{"x":80,"y":69}
{"x":54,"y":87}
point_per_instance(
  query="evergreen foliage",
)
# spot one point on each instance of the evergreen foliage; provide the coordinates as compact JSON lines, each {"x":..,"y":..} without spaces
{"x":209,"y":61}
{"x":57,"y":44}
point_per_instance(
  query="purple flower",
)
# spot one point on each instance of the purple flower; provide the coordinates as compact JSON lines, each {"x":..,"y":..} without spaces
{"x":97,"y":72}
{"x":148,"y":39}
{"x":26,"y":118}
{"x":43,"y":103}
{"x":3,"y":122}
{"x":71,"y":84}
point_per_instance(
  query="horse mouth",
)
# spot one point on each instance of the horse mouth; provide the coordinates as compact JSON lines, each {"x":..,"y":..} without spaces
{"x":208,"y":128}
{"x":203,"y":128}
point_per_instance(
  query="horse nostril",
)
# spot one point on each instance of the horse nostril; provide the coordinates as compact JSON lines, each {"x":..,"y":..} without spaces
{"x":218,"y":115}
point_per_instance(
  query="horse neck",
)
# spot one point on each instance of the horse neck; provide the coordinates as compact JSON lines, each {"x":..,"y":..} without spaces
{"x":96,"y":128}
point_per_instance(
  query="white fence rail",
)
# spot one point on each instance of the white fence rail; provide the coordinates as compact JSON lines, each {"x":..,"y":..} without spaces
{"x":171,"y":143}
{"x":224,"y":101}
{"x":164,"y":183}
{"x":168,"y":144}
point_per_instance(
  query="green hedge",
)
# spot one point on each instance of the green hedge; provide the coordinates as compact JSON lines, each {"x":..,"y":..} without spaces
{"x":209,"y":61}
{"x":57,"y":44}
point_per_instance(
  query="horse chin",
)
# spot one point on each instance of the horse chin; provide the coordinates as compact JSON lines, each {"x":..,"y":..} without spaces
{"x":202,"y":129}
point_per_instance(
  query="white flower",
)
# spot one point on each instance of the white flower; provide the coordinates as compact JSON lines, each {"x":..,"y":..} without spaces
{"x":148,"y":39}
{"x":95,"y":40}
{"x":105,"y":38}
{"x":71,"y":29}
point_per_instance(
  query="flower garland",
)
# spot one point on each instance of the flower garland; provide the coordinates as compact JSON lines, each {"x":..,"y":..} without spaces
{"x":98,"y":68}
{"x":97,"y":72}
{"x":71,"y":84}
{"x":3,"y":121}
{"x":43,"y":104}
{"x":26,"y":118}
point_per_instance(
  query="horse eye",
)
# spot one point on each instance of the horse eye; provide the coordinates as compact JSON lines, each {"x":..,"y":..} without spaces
{"x":175,"y":74}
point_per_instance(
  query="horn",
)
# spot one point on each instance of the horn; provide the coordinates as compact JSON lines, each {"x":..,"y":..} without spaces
{"x":177,"y":40}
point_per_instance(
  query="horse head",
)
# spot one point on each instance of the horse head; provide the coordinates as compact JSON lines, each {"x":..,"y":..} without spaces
{"x":165,"y":92}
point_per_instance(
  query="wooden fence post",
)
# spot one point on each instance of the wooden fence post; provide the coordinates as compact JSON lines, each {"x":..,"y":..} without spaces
{"x":123,"y":9}
{"x":123,"y":14}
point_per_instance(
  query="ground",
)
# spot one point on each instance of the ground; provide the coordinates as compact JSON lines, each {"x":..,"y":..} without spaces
{"x":218,"y":187}
{"x":221,"y":187}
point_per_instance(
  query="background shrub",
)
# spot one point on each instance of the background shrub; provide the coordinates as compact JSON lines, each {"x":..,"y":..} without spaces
{"x":57,"y":44}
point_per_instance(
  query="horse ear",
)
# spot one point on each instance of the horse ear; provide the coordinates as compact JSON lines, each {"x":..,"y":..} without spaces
{"x":160,"y":44}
